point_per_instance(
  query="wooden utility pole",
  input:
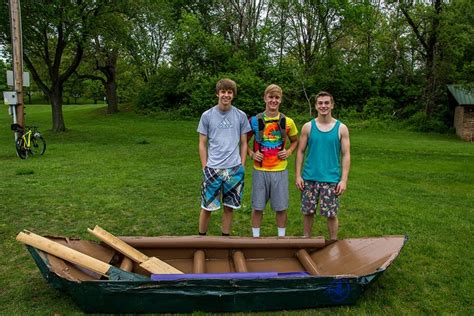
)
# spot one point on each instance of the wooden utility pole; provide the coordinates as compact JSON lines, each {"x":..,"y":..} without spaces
{"x":17,"y":49}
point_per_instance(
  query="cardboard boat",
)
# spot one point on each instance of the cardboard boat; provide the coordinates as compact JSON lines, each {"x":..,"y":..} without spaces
{"x":219,"y":274}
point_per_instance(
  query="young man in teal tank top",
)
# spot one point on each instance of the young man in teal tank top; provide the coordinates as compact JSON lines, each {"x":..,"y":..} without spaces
{"x":323,"y":177}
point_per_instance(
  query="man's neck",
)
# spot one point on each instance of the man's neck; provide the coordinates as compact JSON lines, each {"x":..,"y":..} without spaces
{"x":271,"y":113}
{"x":224,"y":108}
{"x":324,"y":119}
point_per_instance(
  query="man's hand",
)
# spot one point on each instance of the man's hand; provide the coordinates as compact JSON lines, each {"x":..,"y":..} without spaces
{"x":283,"y":154}
{"x":300,"y":183}
{"x":341,"y":187}
{"x":257,"y":156}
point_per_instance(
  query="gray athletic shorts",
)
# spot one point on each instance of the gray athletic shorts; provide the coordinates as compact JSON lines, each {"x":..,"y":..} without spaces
{"x":270,"y":185}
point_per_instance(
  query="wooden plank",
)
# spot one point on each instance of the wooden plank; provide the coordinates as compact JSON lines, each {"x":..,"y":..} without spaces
{"x":63,"y":252}
{"x":152,"y":265}
{"x":118,"y":244}
{"x":157,"y":266}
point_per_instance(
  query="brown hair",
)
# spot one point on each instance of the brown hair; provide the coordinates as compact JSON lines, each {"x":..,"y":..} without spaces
{"x":273,"y":88}
{"x":226,"y":84}
{"x":324,"y":94}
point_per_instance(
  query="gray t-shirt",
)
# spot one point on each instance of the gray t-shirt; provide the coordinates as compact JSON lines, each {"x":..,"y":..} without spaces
{"x":223,"y":130}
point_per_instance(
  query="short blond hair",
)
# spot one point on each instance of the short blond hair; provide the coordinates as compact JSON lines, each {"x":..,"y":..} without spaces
{"x":273,"y":88}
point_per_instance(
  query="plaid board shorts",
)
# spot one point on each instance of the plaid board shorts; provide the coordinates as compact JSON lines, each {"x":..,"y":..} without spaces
{"x":322,"y":192}
{"x":228,"y":182}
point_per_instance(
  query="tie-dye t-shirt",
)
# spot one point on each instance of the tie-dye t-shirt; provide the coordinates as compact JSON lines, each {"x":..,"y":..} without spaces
{"x":271,"y":142}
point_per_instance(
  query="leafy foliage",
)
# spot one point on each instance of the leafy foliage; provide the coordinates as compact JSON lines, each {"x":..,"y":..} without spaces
{"x":374,"y":57}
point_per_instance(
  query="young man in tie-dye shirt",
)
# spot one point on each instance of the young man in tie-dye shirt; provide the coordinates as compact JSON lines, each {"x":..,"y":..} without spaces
{"x":270,"y":131}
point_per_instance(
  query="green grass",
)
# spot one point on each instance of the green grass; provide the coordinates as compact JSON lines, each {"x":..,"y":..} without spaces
{"x":136,"y":175}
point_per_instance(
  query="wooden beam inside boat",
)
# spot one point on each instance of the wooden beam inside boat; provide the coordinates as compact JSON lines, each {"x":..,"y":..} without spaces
{"x":203,"y":242}
{"x":63,"y":252}
{"x":151,"y":264}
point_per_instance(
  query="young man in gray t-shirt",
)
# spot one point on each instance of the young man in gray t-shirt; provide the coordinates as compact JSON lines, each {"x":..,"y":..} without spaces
{"x":222,"y":150}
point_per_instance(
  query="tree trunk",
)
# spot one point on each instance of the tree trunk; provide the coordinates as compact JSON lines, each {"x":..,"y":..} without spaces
{"x":429,"y":42}
{"x":56,"y":98}
{"x":112,"y":100}
{"x":110,"y":72}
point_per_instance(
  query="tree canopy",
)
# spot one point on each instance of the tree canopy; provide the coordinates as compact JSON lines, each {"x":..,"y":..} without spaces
{"x":378,"y":58}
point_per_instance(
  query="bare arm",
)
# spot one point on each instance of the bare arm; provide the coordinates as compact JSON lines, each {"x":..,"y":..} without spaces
{"x":249,"y":140}
{"x":300,"y":154}
{"x":346,"y":159}
{"x":203,"y":150}
{"x":243,"y":148}
{"x":285,"y":153}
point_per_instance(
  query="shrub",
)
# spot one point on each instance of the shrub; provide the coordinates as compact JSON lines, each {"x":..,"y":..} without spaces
{"x":162,"y":92}
{"x":379,"y":107}
{"x":421,"y":123}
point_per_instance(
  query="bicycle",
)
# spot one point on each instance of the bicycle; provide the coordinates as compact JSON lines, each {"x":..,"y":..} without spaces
{"x":30,"y":143}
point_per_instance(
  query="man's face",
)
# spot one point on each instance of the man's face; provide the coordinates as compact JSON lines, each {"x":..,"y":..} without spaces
{"x":272,"y":101}
{"x":324,"y":105}
{"x":225,"y":97}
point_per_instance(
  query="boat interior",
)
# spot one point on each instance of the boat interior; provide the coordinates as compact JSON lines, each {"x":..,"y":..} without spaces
{"x":198,"y":254}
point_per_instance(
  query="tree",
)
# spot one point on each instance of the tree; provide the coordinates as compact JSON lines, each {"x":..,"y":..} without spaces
{"x":151,"y":29}
{"x":54,"y":35}
{"x":425,"y":24}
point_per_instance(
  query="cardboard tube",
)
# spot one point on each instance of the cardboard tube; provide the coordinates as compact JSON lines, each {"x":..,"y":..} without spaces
{"x":126,"y":264}
{"x":239,"y":261}
{"x":199,"y":262}
{"x":307,"y":262}
{"x":218,"y":242}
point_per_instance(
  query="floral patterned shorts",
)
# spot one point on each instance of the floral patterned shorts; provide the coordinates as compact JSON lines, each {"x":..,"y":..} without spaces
{"x":322,"y":192}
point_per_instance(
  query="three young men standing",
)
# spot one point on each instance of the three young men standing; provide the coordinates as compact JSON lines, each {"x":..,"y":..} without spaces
{"x":223,"y":147}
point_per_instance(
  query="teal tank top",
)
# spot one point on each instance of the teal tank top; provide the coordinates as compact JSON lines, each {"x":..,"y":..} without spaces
{"x":323,"y":155}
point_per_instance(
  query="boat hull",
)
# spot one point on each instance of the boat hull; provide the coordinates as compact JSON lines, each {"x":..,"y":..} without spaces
{"x":235,"y":295}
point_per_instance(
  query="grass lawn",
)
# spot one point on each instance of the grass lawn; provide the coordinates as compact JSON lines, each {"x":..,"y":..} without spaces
{"x":136,"y":175}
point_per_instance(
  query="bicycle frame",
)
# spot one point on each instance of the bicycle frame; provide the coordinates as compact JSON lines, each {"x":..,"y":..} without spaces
{"x":30,"y":142}
{"x":27,"y":138}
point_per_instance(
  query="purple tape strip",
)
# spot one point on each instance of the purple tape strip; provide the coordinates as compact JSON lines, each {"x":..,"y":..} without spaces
{"x":230,"y":275}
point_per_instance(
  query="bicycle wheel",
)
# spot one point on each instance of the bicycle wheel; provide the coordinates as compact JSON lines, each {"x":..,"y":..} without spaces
{"x":38,"y":146}
{"x":21,"y":151}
